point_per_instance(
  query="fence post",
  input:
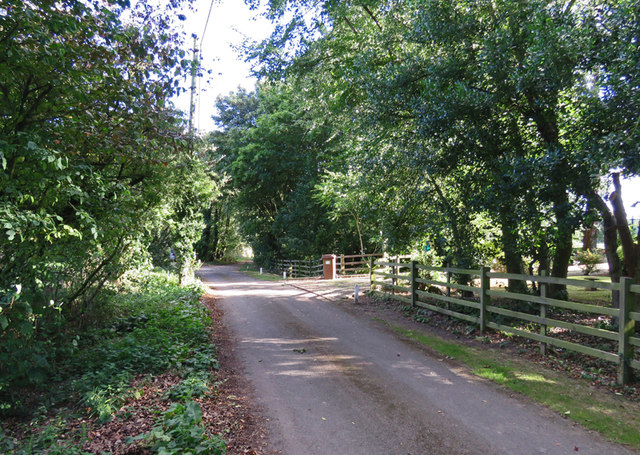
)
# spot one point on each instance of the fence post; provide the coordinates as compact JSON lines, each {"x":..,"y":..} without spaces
{"x":394,"y":272}
{"x":485,"y":298}
{"x":543,"y":313}
{"x":371,"y":274}
{"x":413,"y":283}
{"x":448,"y":280}
{"x":342,"y":264}
{"x":626,"y":328}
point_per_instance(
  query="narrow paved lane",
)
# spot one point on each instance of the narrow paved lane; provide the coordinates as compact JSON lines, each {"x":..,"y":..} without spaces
{"x":331,"y":382}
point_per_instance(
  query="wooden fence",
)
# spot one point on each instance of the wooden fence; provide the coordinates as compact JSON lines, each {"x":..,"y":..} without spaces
{"x":300,"y":268}
{"x":346,"y":265}
{"x":355,"y":264}
{"x":414,"y":284}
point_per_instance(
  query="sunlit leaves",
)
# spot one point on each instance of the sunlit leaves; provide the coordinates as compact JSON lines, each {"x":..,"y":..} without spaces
{"x":90,"y":148}
{"x":510,"y":111}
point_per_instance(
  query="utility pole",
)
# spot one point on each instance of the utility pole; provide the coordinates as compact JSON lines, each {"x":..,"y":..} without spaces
{"x":192,"y":106}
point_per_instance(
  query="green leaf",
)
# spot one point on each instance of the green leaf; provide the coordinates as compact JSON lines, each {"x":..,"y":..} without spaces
{"x":4,"y":322}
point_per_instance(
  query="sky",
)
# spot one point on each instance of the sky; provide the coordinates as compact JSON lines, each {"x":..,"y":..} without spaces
{"x":230,"y":22}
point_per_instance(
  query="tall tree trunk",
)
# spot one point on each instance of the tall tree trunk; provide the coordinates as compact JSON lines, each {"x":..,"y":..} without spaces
{"x":564,"y":244}
{"x":512,"y":255}
{"x":216,"y":229}
{"x":630,"y":249}
{"x":590,"y":239}
{"x":357,"y":219}
{"x":547,"y":125}
{"x":610,"y":241}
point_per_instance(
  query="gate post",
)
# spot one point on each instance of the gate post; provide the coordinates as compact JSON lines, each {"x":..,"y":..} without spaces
{"x":414,"y":285}
{"x":485,"y":299}
{"x":329,"y":266}
{"x":626,"y":328}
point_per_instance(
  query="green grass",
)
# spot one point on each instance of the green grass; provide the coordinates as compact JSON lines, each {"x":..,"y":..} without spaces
{"x":614,"y":417}
{"x":253,"y":271}
{"x":265,"y":275}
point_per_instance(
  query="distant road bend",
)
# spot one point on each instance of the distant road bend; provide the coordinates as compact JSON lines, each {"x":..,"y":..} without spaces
{"x":332,"y":382}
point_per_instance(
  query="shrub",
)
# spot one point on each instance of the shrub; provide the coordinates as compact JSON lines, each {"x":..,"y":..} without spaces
{"x":588,"y":260}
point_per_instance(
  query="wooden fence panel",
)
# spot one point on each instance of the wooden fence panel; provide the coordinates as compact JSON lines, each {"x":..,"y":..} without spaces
{"x":355,"y":264}
{"x":484,"y":308}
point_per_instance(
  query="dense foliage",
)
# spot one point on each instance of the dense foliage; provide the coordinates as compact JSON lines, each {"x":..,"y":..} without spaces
{"x":273,"y":153}
{"x":96,"y":176}
{"x":470,"y":128}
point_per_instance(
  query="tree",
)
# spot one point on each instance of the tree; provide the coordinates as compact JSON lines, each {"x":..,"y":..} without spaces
{"x":273,"y":154}
{"x":93,"y":159}
{"x":503,"y":106}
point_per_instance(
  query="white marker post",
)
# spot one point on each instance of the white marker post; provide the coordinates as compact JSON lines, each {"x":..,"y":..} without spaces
{"x":356,"y":293}
{"x":260,"y":270}
{"x":284,"y":275}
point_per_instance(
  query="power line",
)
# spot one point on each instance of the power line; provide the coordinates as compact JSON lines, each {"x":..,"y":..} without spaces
{"x":206,"y":23}
{"x":204,"y":31}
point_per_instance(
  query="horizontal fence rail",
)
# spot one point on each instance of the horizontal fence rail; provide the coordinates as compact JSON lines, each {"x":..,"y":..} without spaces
{"x":536,"y":317}
{"x":355,"y":264}
{"x":346,"y":265}
{"x":297,"y":268}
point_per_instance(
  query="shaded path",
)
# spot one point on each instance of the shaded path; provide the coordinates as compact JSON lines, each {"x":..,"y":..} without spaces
{"x":331,"y":382}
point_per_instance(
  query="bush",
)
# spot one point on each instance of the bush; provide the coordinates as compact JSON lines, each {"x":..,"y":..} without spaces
{"x":588,"y":260}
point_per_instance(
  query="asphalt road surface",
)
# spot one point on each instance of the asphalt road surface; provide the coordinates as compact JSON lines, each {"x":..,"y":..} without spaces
{"x":333,"y":382}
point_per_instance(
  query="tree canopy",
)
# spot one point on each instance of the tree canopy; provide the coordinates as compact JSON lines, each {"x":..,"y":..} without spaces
{"x":481,"y":128}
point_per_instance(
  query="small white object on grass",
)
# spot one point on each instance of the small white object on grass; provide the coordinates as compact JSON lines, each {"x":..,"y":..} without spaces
{"x":260,"y":270}
{"x":284,"y":275}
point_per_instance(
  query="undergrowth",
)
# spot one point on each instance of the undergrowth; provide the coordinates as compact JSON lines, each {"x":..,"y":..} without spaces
{"x":150,"y":326}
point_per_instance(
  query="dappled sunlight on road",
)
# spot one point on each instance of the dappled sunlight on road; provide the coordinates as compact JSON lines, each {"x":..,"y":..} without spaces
{"x":270,"y":293}
{"x":279,"y":341}
{"x":306,"y":357}
{"x":418,"y":371}
{"x":319,"y":366}
{"x":312,"y":358}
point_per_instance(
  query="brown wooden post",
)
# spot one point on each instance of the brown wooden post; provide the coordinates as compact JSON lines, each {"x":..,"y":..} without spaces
{"x":446,"y":305}
{"x":371,"y":286}
{"x":342,"y":264}
{"x":414,"y":274}
{"x":543,"y":313}
{"x":485,"y":298}
{"x":394,"y":272}
{"x":626,"y":328}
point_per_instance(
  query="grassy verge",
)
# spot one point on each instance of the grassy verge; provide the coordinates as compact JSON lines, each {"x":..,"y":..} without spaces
{"x":615,"y":418}
{"x":152,"y":331}
{"x":254,"y":272}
